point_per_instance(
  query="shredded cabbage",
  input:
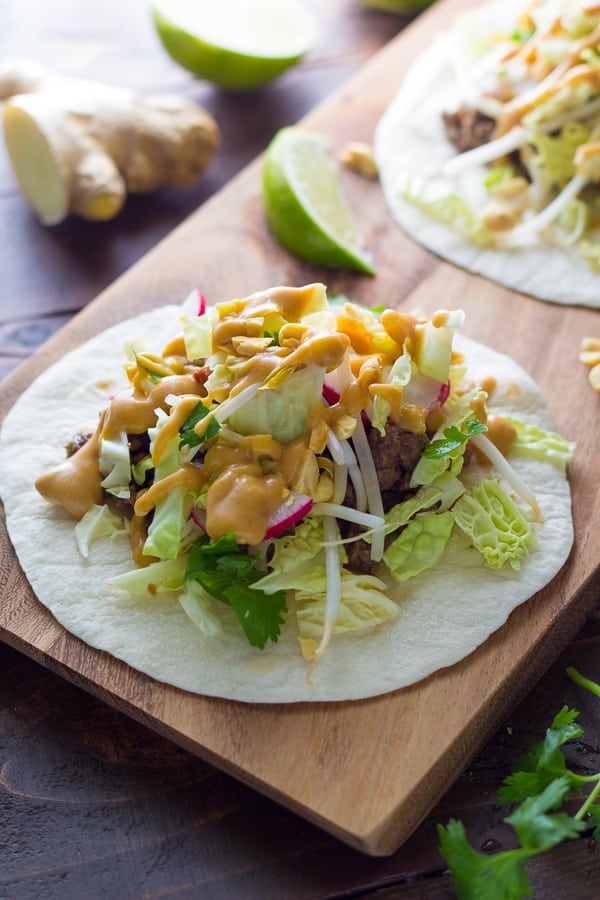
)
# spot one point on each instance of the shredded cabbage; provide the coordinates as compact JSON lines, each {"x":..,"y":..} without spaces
{"x":495,"y":524}
{"x":364,"y":604}
{"x":420,"y":546}
{"x":281,"y":411}
{"x":198,"y":606}
{"x":554,"y":153}
{"x":441,"y":493}
{"x":460,"y":409}
{"x":139,"y":470}
{"x":293,"y":555}
{"x":197,"y":333}
{"x":399,"y":376}
{"x":162,"y":576}
{"x":440,"y":201}
{"x":536,"y":443}
{"x":98,"y":521}
{"x":590,"y":250}
{"x":432,"y":353}
{"x":171,"y":512}
{"x":115,"y":465}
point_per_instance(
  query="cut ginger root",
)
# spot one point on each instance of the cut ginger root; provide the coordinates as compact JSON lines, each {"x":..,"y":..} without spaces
{"x":80,"y":147}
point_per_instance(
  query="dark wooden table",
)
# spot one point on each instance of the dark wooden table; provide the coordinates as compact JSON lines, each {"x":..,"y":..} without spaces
{"x":91,"y":803}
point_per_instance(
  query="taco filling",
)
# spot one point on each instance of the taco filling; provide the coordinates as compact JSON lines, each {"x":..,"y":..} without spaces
{"x":495,"y":136}
{"x":290,"y":472}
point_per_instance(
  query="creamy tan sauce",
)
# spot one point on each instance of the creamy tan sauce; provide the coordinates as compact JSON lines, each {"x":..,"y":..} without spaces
{"x":187,"y":476}
{"x":76,"y":484}
{"x":501,"y":433}
{"x":138,"y":532}
{"x":242,"y":500}
{"x":247,"y":477}
{"x":135,"y":414}
{"x":399,"y":326}
{"x":172,"y":426}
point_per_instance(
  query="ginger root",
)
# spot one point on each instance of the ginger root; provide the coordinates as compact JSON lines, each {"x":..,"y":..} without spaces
{"x":80,"y":146}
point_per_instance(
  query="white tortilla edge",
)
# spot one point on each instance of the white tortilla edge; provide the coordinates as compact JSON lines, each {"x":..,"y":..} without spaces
{"x":445,"y":614}
{"x":409,"y":139}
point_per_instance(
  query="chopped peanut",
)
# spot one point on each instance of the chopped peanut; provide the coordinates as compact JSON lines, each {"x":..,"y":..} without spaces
{"x":594,"y":378}
{"x":590,"y":343}
{"x":590,"y":357}
{"x":509,"y":200}
{"x":358,"y":157}
{"x":511,"y":188}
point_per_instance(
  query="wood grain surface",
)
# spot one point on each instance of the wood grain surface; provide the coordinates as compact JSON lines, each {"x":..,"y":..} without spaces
{"x":377,"y":767}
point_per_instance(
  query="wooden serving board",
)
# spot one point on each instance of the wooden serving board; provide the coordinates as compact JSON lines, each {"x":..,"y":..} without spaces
{"x":367,"y":771}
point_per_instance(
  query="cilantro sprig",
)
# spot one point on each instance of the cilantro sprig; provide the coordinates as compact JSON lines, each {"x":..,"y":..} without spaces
{"x":453,"y":439}
{"x":540,"y":783}
{"x":189,"y":438}
{"x":228,"y":573}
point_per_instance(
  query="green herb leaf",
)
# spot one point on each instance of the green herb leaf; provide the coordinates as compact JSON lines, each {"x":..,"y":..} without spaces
{"x":227,"y":572}
{"x":503,"y":876}
{"x":537,"y":828}
{"x":594,"y":814}
{"x":274,"y":335}
{"x":189,"y":438}
{"x":496,"y":175}
{"x":478,"y":876}
{"x":453,"y":439}
{"x":543,"y":762}
{"x":542,"y":782}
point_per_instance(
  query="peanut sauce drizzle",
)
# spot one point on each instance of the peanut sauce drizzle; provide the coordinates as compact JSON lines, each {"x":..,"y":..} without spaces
{"x":248,"y":477}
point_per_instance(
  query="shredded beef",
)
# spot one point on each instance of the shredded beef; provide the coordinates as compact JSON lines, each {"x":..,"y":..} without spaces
{"x":358,"y":552}
{"x":77,"y":442}
{"x":468,"y":128}
{"x":395,"y":455}
{"x":121,"y":506}
{"x":139,"y":446}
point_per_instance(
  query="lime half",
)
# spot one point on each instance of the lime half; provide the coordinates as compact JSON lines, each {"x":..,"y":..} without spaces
{"x":304,"y":206}
{"x":236,"y":44}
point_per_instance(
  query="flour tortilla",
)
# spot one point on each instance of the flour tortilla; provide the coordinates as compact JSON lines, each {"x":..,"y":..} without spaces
{"x":410,"y":141}
{"x":444,"y":614}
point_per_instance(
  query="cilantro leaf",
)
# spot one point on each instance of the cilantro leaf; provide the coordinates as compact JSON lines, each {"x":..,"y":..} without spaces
{"x":541,"y":782}
{"x":544,"y":761}
{"x":537,"y":828}
{"x":227,"y":572}
{"x":503,"y":875}
{"x":189,"y":438}
{"x":274,"y":335}
{"x":478,"y":876}
{"x":594,"y":814}
{"x":453,"y":439}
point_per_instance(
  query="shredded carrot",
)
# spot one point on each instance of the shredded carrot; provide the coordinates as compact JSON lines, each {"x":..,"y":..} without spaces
{"x":356,"y":331}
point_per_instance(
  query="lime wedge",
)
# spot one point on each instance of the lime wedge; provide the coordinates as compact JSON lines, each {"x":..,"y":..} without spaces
{"x":304,"y":205}
{"x":236,"y":44}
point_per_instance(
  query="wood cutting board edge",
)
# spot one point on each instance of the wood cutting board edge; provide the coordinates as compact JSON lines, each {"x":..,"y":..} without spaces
{"x":375,"y":841}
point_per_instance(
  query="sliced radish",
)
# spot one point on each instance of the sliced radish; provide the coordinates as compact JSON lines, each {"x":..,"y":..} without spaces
{"x":194,"y":304}
{"x":201,"y":303}
{"x":443,"y":393}
{"x":199,"y":517}
{"x":289,"y":513}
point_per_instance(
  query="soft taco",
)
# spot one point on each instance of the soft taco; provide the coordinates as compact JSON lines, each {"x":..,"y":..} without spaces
{"x":490,"y":153}
{"x":286,"y":497}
